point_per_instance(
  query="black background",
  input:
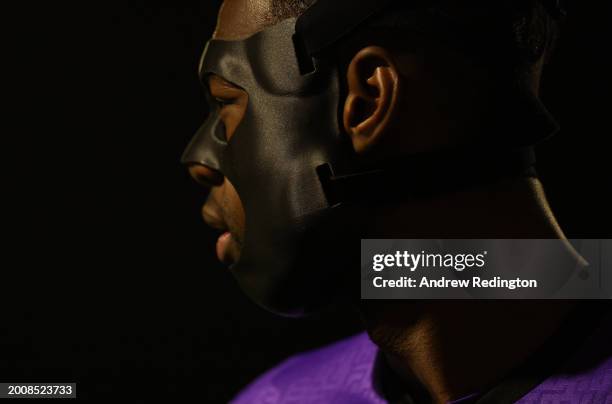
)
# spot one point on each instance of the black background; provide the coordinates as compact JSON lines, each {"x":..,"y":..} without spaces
{"x":109,"y":275}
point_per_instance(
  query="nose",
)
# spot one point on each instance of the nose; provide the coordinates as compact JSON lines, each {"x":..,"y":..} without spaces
{"x":205,"y":175}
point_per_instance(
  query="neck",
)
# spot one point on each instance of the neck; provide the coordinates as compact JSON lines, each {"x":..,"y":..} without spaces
{"x":512,"y":208}
{"x":454,"y":348}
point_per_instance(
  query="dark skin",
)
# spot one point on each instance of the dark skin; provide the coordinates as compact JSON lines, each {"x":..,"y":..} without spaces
{"x":392,"y":108}
{"x":223,"y":209}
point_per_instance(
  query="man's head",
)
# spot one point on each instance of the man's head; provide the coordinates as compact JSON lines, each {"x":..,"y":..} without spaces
{"x":387,"y":91}
{"x":237,"y":20}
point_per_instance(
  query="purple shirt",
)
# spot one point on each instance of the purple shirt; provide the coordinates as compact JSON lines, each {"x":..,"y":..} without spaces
{"x":343,"y":373}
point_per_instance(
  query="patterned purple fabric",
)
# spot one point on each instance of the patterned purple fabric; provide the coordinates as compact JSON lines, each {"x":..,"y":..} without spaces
{"x":592,"y":387}
{"x":586,"y":379}
{"x":342,"y":374}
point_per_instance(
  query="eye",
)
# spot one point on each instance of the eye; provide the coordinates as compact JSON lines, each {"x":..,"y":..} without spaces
{"x":223,"y":102}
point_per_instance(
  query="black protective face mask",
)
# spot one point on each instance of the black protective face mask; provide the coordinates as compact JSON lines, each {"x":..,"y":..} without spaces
{"x":295,"y":170}
{"x":289,"y":129}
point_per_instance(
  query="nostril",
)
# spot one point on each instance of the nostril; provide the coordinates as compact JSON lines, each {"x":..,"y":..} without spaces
{"x":205,"y":176}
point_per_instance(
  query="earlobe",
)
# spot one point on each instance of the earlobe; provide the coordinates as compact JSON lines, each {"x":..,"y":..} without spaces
{"x":373,"y":93}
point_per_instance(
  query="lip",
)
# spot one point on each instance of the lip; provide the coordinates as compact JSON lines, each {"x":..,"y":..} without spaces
{"x":213,"y":219}
{"x":226,"y":241}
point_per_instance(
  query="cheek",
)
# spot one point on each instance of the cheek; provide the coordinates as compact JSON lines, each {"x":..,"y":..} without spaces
{"x":423,"y":121}
{"x":234,"y":210}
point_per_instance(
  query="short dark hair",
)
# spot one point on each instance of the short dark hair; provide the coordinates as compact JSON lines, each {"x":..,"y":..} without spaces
{"x":526,"y":29}
{"x":283,"y":9}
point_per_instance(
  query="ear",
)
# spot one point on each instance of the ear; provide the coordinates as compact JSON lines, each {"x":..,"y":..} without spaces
{"x":373,"y":93}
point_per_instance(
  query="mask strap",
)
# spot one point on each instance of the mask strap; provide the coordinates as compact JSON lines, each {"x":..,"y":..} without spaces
{"x":427,"y":174}
{"x":328,"y":21}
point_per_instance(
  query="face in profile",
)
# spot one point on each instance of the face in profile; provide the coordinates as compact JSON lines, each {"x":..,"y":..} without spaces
{"x":223,"y":209}
{"x":269,"y":130}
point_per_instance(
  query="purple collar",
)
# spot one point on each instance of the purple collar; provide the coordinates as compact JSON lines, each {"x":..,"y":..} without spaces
{"x":344,"y":373}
